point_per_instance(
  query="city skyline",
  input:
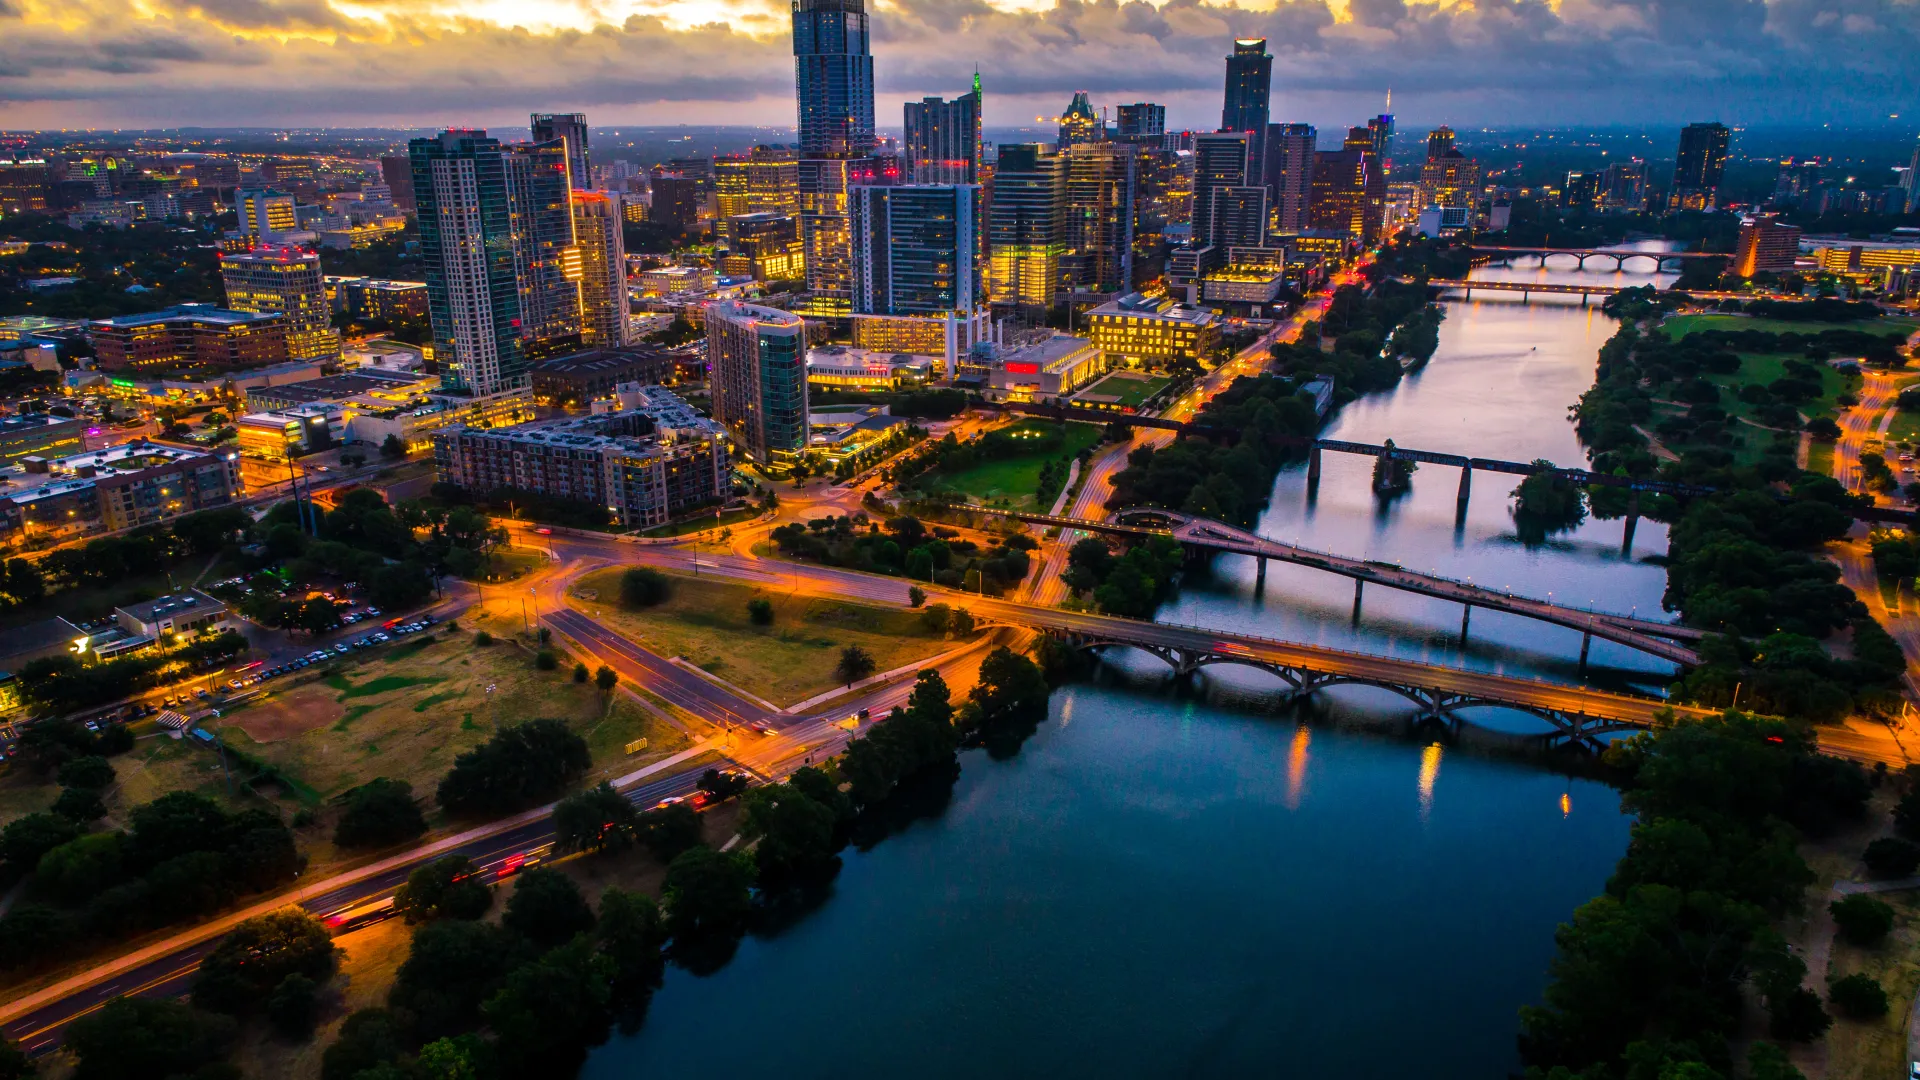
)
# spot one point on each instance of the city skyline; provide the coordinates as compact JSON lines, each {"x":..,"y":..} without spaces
{"x":331,"y":62}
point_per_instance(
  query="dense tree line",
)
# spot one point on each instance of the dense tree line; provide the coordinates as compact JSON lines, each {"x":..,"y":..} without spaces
{"x":1212,"y":479}
{"x":180,"y":856}
{"x":905,"y":546}
{"x":62,"y":682}
{"x":1132,"y":583}
{"x":520,"y":767}
{"x":1651,"y":975}
{"x":528,"y":506}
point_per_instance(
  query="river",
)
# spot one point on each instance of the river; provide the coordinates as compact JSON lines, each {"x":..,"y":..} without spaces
{"x":1164,"y":883}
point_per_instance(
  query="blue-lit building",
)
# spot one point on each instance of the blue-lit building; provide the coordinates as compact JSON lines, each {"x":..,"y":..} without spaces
{"x":460,"y":187}
{"x":916,"y":249}
{"x":758,"y":370}
{"x":833,"y":77}
{"x":1249,"y":91}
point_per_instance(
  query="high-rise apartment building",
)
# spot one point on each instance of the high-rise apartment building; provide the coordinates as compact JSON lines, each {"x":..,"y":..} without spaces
{"x":1024,"y":238}
{"x":764,"y":247}
{"x":1249,"y":90}
{"x":1797,"y":181}
{"x":916,"y":249}
{"x":571,"y":128}
{"x":1340,"y":193}
{"x":1448,"y":177}
{"x":396,"y":171}
{"x":824,"y":229}
{"x":833,"y":77}
{"x":1102,"y":185}
{"x":265,"y":213}
{"x":1289,"y":173}
{"x":1765,"y":244}
{"x":1439,"y":142}
{"x":1624,"y":185}
{"x":1366,"y":141}
{"x":1080,"y":124}
{"x":757,"y":357}
{"x":766,"y":180}
{"x":943,"y":138}
{"x":1229,"y":202}
{"x":1582,"y":190}
{"x":676,"y":202}
{"x":1698,"y":167}
{"x":1141,"y":120}
{"x":546,"y":262}
{"x":1912,"y":182}
{"x":467,"y":215}
{"x":603,"y":270}
{"x":285,"y":280}
{"x":24,"y":183}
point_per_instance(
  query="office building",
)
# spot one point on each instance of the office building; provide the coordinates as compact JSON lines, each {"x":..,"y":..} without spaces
{"x":1229,"y":203}
{"x":948,"y":336}
{"x":1365,"y":142}
{"x":545,"y":255}
{"x":757,"y":359}
{"x":764,"y":247}
{"x":570,"y":128}
{"x":833,"y":77}
{"x":1340,"y":203}
{"x":1039,"y":370}
{"x":1380,"y":133}
{"x":1025,"y":238}
{"x":377,"y":299}
{"x":1581,"y":190}
{"x":1624,"y":185}
{"x":1139,"y":331}
{"x":1698,"y":167}
{"x":591,"y":375}
{"x":1141,"y":120}
{"x":1289,"y":173}
{"x":651,"y":460}
{"x":1080,"y":124}
{"x":190,"y":336}
{"x":396,"y":171}
{"x":916,"y":249}
{"x":602,"y":254}
{"x":1911,"y":182}
{"x":942,"y":144}
{"x":1448,"y":177}
{"x":676,"y":202}
{"x":765,"y":180}
{"x":1249,"y":88}
{"x":24,"y":185}
{"x":1765,"y":243}
{"x":469,"y":224}
{"x":33,"y":433}
{"x":265,"y":214}
{"x":1101,"y":188}
{"x":824,"y":229}
{"x":1439,"y":142}
{"x":286,"y":280}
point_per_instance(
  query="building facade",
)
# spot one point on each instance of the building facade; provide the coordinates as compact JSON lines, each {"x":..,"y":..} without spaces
{"x":1102,"y":184}
{"x":1229,"y":202}
{"x":1151,"y":332}
{"x":757,"y":358}
{"x":189,"y":336}
{"x":1249,"y":91}
{"x":1765,"y":243}
{"x":1026,"y":238}
{"x":603,"y":270}
{"x":943,"y":138}
{"x":572,"y":129}
{"x":1698,"y":166}
{"x":466,"y":222}
{"x":286,"y":280}
{"x":1289,"y":173}
{"x":916,"y":249}
{"x":546,"y":266}
{"x":833,"y":78}
{"x":1141,"y":119}
{"x":1340,"y":193}
{"x":1080,"y":124}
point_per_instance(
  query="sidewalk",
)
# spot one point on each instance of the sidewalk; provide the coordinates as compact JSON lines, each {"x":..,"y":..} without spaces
{"x":209,"y":930}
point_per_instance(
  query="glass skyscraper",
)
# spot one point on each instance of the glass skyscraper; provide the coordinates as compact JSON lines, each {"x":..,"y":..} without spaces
{"x":758,"y":362}
{"x":943,"y":138}
{"x":1249,"y":91}
{"x":1026,"y":234}
{"x":466,"y":241}
{"x":548,"y":127}
{"x":833,"y":78}
{"x":916,"y":249}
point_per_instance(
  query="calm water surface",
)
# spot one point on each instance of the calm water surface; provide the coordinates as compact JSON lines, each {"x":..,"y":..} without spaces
{"x":1167,"y":884}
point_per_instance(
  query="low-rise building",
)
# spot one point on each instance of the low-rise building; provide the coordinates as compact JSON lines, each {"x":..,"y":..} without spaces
{"x":1051,"y":367}
{"x":840,"y":433}
{"x":1257,"y":286}
{"x":675,"y":280}
{"x":1142,"y":331}
{"x":377,"y":299}
{"x":645,"y":464}
{"x":33,"y":433}
{"x":117,"y":487}
{"x":838,"y":367}
{"x":182,"y":614}
{"x":189,"y":336}
{"x":594,"y":373}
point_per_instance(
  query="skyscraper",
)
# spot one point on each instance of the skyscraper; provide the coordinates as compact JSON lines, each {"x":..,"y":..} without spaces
{"x":824,"y":235}
{"x":1439,"y":141}
{"x":1582,"y":190}
{"x":396,"y":170}
{"x":1080,"y":124}
{"x":1101,"y":188}
{"x":833,"y":77}
{"x":466,"y":240}
{"x":264,"y":214}
{"x":1142,"y":120}
{"x":1365,"y":142}
{"x":916,"y":249}
{"x":546,"y":262}
{"x":1698,"y":166}
{"x":1381,"y":130}
{"x":549,"y":127}
{"x":1625,"y":185}
{"x":1765,"y":244}
{"x":1249,"y":89}
{"x":1289,"y":172}
{"x":765,"y":180}
{"x":1229,"y":205}
{"x":1340,"y":193}
{"x":603,"y":270}
{"x":1025,"y":233}
{"x":1448,"y":177}
{"x":284,"y":279}
{"x":1912,"y":182}
{"x":943,"y":138}
{"x":758,"y":362}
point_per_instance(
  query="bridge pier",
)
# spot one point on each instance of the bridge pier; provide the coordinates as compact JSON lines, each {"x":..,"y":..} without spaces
{"x":1313,"y":467}
{"x":1466,"y":614}
{"x":1633,"y":520}
{"x":1260,"y":576}
{"x":1358,"y":585}
{"x":1586,"y":643}
{"x":1466,"y":491}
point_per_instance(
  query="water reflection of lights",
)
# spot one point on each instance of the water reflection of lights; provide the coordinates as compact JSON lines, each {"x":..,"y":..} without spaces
{"x":1297,"y":767}
{"x":1566,"y":804}
{"x":1429,"y":772}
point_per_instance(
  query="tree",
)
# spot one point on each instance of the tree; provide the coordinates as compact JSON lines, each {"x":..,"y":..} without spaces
{"x":795,"y":833}
{"x":14,"y":1062}
{"x":1798,"y":1017}
{"x":605,"y":679}
{"x":446,"y":888}
{"x":916,"y":596}
{"x":934,"y":618}
{"x":80,"y":805}
{"x":960,"y":622}
{"x":594,"y":820}
{"x":1766,"y":1061}
{"x":82,"y":868}
{"x":643,"y":586}
{"x":580,"y":673}
{"x":707,"y":891}
{"x":631,"y":934}
{"x":30,"y":933}
{"x":546,"y":908}
{"x":855,"y":664}
{"x":723,"y":785}
{"x":545,"y":660}
{"x":91,"y":772}
{"x":1862,"y":920}
{"x":294,"y":1006}
{"x":482,"y":638}
{"x":667,"y":831}
{"x":368,"y":1038}
{"x":450,"y":969}
{"x":258,"y":955}
{"x":393,"y":448}
{"x":521,"y":766}
{"x":549,"y":1012}
{"x":26,"y":839}
{"x":1887,"y":857}
{"x":142,"y":1038}
{"x":1011,"y":691}
{"x":380,"y":812}
{"x":760,"y":611}
{"x":1906,"y":813}
{"x":1859,"y":996}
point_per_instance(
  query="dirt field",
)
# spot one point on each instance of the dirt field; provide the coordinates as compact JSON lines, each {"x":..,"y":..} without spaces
{"x":705,"y":621}
{"x":406,"y":715}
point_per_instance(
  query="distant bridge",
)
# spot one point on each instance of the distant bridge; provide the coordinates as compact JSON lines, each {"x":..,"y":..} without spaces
{"x":1200,"y":535}
{"x":1524,"y":288}
{"x":1652,"y":261}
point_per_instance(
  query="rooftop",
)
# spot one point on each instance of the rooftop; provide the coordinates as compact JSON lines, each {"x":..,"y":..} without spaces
{"x":1138,"y":306}
{"x":198,"y":313}
{"x":191,"y":600}
{"x":334,"y":387}
{"x":597,"y":360}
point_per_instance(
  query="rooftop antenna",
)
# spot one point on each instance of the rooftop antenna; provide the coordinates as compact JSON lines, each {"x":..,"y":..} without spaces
{"x":1389,"y":99}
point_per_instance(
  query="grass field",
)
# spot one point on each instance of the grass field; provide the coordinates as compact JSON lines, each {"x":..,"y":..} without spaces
{"x":706,"y":622}
{"x":1680,"y":326}
{"x":408,"y":714}
{"x":703,"y":523}
{"x":1127,"y":388}
{"x":1015,"y":481}
{"x":1820,"y":458}
{"x":156,"y":765}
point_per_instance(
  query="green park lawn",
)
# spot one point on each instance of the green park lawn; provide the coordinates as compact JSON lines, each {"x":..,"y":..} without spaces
{"x":705,"y":622}
{"x":1016,"y":480}
{"x":1680,"y":326}
{"x":703,"y":522}
{"x":1128,"y":389}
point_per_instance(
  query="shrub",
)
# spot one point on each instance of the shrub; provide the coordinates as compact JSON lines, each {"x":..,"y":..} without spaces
{"x":380,"y":812}
{"x":482,"y":638}
{"x":545,"y":660}
{"x":1859,"y":996}
{"x":1891,"y":857}
{"x":1862,"y":920}
{"x":760,"y":611}
{"x":580,"y":673}
{"x":643,"y":586}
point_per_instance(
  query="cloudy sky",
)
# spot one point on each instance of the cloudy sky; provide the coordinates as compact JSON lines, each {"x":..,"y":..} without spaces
{"x":75,"y":63}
